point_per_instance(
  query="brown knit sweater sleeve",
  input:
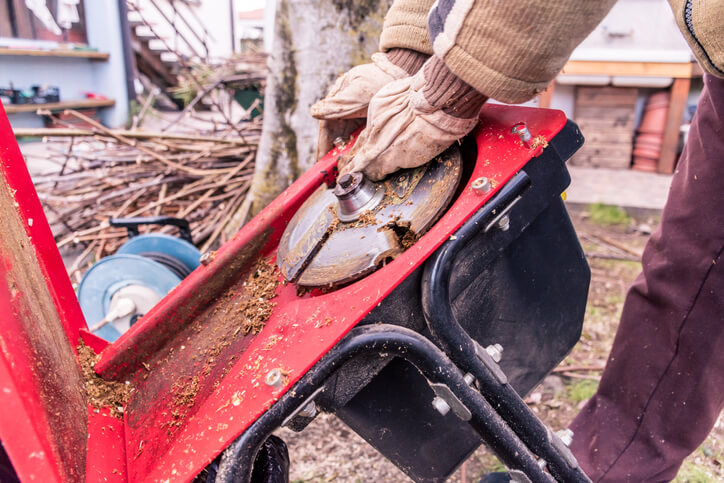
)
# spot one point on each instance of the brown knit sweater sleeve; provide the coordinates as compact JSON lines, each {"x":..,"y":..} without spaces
{"x":406,"y":26}
{"x":702,"y":23}
{"x":510,"y":51}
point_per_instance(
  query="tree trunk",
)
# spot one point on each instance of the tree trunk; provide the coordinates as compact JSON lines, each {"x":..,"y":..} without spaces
{"x":314,"y":42}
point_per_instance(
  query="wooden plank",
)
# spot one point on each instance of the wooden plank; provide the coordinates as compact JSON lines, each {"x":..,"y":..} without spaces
{"x":677,"y":104}
{"x":6,"y":27}
{"x":85,"y":54}
{"x":616,"y":116}
{"x":23,"y":23}
{"x":610,"y":138}
{"x":59,"y":106}
{"x":606,"y":96}
{"x":600,"y":161}
{"x":642,"y":69}
{"x":605,"y":124}
{"x":545,"y":97}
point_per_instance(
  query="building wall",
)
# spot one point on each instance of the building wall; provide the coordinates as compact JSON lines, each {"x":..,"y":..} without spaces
{"x":76,"y":76}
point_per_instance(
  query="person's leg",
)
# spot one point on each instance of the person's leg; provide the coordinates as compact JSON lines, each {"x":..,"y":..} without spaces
{"x":663,"y":386}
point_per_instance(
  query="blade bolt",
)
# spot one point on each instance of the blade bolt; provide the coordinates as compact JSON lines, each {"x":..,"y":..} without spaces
{"x":346,"y":180}
{"x":481,"y":186}
{"x":523,"y":133}
{"x":274,"y":378}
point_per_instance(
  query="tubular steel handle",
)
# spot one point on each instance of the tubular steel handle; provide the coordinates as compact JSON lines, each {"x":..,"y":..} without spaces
{"x":461,"y":348}
{"x":237,"y":460}
{"x":131,"y":224}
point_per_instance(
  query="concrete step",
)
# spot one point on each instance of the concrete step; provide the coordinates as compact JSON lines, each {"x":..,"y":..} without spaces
{"x":619,"y":187}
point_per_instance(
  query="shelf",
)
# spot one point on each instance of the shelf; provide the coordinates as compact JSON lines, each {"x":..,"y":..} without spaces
{"x":677,"y":70}
{"x":80,"y":54}
{"x":58,"y":106}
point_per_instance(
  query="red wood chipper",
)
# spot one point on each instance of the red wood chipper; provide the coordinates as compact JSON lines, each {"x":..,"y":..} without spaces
{"x":418,"y":310}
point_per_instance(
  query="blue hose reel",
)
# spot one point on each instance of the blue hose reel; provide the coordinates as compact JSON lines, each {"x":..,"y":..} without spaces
{"x":116,"y":291}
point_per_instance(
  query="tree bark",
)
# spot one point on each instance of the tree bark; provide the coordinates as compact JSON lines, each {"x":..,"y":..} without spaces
{"x":314,"y":42}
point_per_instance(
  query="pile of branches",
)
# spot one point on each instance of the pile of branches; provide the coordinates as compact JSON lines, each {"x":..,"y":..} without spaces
{"x":102,"y":174}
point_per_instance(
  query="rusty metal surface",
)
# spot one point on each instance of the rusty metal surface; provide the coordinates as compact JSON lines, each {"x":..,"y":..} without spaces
{"x":318,"y":250}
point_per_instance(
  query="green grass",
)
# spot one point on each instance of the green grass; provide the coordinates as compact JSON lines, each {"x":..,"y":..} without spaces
{"x":607,"y":215}
{"x":691,"y":473}
{"x":582,"y":390}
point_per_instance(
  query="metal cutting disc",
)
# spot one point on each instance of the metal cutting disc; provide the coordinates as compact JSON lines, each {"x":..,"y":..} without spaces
{"x":318,"y":249}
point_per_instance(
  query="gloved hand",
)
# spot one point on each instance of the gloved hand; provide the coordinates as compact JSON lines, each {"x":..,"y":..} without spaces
{"x":412,"y":120}
{"x":344,"y":108}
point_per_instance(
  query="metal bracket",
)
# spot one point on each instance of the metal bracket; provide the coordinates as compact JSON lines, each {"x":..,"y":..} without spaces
{"x":458,"y":408}
{"x":488,"y":362}
{"x":518,"y":476}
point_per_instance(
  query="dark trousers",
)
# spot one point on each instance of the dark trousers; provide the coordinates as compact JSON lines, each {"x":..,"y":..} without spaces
{"x":663,"y":386}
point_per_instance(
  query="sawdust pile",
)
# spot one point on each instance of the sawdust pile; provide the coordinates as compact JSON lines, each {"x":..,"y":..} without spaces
{"x":260,"y":288}
{"x":99,"y":392}
{"x":186,"y":392}
{"x":539,"y":141}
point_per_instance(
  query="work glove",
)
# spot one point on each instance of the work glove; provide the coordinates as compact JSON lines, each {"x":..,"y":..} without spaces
{"x":344,"y":109}
{"x":412,"y":120}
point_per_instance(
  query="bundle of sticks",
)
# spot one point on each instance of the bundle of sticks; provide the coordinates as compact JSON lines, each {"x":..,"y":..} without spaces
{"x":102,"y":174}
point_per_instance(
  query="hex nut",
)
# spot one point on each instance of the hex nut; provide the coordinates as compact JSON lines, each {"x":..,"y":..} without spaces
{"x":309,"y":410}
{"x":566,"y":436}
{"x":495,"y":351}
{"x":440,"y":405}
{"x":504,"y":223}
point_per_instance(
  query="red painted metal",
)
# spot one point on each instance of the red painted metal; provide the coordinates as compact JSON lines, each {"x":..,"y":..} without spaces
{"x":199,"y":383}
{"x":43,"y":417}
{"x":168,"y":440}
{"x":18,"y":180}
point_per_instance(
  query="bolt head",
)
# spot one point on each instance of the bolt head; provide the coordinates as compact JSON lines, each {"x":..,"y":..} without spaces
{"x":309,"y":410}
{"x":207,"y":258}
{"x":348,"y":184}
{"x":274,"y":378}
{"x":339,"y":142}
{"x":521,"y":129}
{"x":481,"y":185}
{"x":495,"y":352}
{"x":565,"y":435}
{"x":504,"y":223}
{"x":440,"y":405}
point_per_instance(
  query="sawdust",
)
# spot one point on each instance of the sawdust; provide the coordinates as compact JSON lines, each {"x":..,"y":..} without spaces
{"x":335,"y":221}
{"x":186,"y":391}
{"x":260,"y":288}
{"x":99,"y":392}
{"x":408,"y":239}
{"x":367,"y":218}
{"x":539,"y":141}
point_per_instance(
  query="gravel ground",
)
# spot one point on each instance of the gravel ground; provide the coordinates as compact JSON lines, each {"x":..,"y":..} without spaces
{"x":329,"y":451}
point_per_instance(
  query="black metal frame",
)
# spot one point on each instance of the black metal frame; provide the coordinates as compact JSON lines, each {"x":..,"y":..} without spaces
{"x":237,"y":461}
{"x":497,"y":412}
{"x":470,"y":357}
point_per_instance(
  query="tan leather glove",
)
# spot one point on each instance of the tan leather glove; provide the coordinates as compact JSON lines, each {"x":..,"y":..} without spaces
{"x":412,"y":120}
{"x":344,"y":108}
